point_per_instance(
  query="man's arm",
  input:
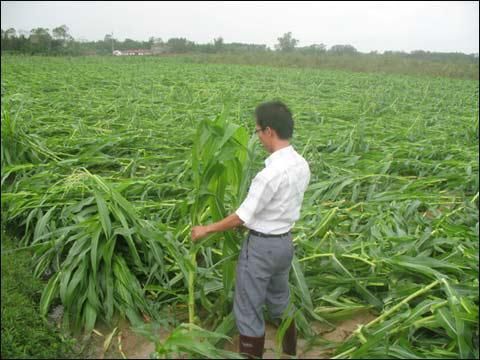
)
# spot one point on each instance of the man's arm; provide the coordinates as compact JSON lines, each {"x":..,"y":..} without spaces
{"x":230,"y":222}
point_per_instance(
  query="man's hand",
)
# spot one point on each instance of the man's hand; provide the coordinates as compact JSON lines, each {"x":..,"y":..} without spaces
{"x":228,"y":223}
{"x":199,"y":232}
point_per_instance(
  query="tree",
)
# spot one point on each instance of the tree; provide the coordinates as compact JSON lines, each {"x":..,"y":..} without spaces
{"x":180,"y":45}
{"x":10,"y":33}
{"x":218,"y":44}
{"x":319,"y":47}
{"x":61,"y":38}
{"x":40,"y":40}
{"x":61,"y":33}
{"x":157,"y":45}
{"x":154,"y":41}
{"x":129,"y":44}
{"x":8,"y":37}
{"x":314,"y":49}
{"x":286,"y":43}
{"x":108,"y":40}
{"x":342,"y":49}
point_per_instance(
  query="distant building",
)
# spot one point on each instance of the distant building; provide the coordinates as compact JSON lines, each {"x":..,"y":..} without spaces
{"x":131,"y":52}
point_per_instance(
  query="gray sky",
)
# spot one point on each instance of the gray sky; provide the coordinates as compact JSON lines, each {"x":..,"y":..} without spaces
{"x":450,"y":26}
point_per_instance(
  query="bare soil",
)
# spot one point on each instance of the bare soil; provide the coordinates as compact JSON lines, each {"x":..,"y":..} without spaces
{"x":127,"y":343}
{"x":342,"y":330}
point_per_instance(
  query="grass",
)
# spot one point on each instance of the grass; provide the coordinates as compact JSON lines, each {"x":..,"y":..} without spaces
{"x":24,"y":333}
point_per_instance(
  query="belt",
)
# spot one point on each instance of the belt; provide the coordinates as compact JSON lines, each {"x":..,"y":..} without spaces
{"x":256,"y":233}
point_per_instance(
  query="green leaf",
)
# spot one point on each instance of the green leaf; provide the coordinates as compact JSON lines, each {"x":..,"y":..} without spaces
{"x":103,"y":214}
{"x":49,"y":293}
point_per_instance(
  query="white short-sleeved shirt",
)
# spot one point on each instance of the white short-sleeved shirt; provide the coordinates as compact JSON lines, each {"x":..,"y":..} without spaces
{"x":275,"y":196}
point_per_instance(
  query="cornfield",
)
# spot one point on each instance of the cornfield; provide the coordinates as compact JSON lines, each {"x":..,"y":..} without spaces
{"x":108,"y":162}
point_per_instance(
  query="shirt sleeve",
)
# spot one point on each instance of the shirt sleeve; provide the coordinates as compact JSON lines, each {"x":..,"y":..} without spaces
{"x":259,"y":195}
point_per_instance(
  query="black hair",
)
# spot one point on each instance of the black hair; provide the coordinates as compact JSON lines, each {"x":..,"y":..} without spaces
{"x":277,"y":116}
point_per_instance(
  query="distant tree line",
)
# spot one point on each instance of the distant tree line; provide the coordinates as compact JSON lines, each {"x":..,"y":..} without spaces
{"x":58,"y":41}
{"x":42,"y":41}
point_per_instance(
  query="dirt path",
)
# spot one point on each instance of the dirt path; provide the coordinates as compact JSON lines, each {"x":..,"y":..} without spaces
{"x":135,"y":346}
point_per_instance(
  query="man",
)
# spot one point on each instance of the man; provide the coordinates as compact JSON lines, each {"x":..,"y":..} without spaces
{"x":270,"y":210}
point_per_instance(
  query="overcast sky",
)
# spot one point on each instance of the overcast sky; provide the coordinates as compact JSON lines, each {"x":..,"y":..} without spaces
{"x":450,"y":26}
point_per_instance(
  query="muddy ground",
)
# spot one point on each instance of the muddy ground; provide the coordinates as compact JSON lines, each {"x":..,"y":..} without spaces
{"x":135,"y":346}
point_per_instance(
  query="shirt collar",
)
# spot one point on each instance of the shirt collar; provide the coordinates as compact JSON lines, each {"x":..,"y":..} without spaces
{"x":278,"y":154}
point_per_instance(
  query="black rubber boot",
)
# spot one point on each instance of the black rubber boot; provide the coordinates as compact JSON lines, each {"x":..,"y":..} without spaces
{"x":290,"y":340}
{"x":252,"y":347}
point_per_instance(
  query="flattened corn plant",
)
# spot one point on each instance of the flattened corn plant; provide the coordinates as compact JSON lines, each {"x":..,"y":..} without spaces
{"x":84,"y":242}
{"x":104,"y":173}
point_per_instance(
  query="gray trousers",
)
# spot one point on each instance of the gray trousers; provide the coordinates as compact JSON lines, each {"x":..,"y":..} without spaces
{"x":262,"y":279}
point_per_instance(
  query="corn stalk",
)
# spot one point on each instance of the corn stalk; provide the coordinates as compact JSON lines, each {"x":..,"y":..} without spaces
{"x":219,"y":156}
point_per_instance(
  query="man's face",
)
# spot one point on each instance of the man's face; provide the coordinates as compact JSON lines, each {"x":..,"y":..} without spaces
{"x":265,"y":136}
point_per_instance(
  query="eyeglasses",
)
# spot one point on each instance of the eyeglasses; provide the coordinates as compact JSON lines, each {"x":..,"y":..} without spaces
{"x":257,"y":130}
